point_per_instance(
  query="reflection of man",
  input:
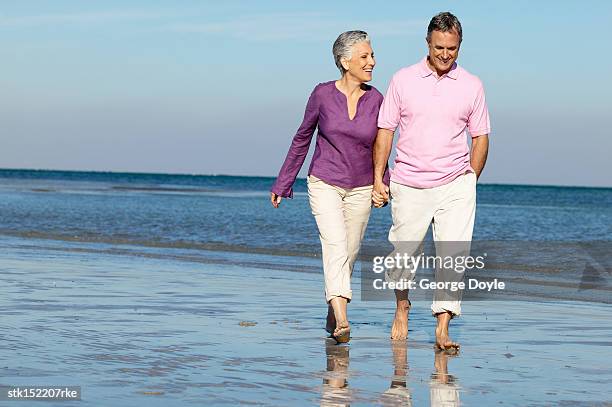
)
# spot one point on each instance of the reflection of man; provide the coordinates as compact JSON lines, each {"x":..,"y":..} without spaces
{"x":434,"y":178}
{"x":398,"y":393}
{"x":443,"y":391}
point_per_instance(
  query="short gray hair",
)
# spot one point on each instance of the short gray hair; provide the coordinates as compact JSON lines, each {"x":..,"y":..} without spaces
{"x":344,"y":44}
{"x":444,"y":22}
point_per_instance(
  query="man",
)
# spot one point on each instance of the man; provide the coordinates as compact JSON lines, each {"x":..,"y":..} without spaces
{"x":434,"y":178}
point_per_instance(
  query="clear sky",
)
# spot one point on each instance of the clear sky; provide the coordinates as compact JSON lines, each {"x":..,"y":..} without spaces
{"x":213,"y":87}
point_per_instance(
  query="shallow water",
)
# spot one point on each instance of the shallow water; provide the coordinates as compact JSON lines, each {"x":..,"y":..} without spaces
{"x":144,"y":330}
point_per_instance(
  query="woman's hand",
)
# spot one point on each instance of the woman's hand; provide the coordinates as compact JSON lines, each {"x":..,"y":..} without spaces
{"x":275,"y":199}
{"x":380,"y":195}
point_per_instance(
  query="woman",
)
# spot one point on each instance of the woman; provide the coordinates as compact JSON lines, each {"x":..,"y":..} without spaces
{"x":340,"y":177}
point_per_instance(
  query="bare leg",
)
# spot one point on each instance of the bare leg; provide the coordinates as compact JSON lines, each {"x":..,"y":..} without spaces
{"x":441,"y":366}
{"x":330,"y":326}
{"x":343,"y":329}
{"x":443,"y":391}
{"x":443,"y":341}
{"x":335,"y":389}
{"x":399,"y":330}
{"x":400,"y":363}
{"x":337,"y":362}
{"x":398,"y":394}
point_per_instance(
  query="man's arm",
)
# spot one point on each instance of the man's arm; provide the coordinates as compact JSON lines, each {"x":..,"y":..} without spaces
{"x":478,"y":155}
{"x":381,"y":152}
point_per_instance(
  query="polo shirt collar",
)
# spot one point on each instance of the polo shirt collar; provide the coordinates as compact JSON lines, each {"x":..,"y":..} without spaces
{"x":426,"y":71}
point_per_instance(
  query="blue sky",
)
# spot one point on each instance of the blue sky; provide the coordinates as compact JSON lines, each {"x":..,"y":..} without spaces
{"x":211,"y":88}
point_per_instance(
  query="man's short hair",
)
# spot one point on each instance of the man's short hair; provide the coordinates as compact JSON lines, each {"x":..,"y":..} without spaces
{"x":444,"y":22}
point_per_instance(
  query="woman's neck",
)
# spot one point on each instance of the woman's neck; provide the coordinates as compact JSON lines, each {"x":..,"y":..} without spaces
{"x":349,"y":85}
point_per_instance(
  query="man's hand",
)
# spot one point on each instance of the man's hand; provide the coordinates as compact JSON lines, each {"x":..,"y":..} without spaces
{"x":380,"y":156}
{"x":380,"y":194}
{"x":478,"y":155}
{"x":275,"y":199}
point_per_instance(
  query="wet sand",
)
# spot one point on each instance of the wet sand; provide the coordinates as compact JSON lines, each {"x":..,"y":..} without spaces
{"x":137,"y":330}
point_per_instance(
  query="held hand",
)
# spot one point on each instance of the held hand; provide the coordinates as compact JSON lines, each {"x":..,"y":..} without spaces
{"x":380,"y":194}
{"x":275,"y":199}
{"x":377,"y":200}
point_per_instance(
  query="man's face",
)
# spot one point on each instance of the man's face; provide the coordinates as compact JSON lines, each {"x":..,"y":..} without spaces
{"x":443,"y":50}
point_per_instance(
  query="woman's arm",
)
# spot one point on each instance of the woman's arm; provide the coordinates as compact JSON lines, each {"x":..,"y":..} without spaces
{"x":283,"y":186}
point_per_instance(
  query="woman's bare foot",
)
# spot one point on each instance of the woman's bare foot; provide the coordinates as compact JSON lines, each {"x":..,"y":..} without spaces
{"x":399,"y":329}
{"x":330,"y":326}
{"x":342,"y":330}
{"x":443,"y":341}
{"x":342,"y":333}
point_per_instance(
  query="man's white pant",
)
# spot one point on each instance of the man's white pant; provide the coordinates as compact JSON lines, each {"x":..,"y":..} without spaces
{"x":450,"y":209}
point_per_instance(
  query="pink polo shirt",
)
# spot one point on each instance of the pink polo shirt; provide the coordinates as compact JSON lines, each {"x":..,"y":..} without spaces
{"x":433,"y":114}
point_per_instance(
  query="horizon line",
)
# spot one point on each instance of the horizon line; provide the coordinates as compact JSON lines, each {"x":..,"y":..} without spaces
{"x":267,"y":176}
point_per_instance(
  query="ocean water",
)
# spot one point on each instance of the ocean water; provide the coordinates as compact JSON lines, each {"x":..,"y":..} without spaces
{"x":133,"y":286}
{"x":234,"y":214}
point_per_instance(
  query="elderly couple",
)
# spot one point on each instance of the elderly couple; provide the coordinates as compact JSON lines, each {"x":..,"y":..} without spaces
{"x":434,"y":177}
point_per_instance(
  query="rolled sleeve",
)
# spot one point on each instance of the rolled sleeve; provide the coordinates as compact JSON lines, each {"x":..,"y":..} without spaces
{"x":390,"y":110}
{"x":478,"y":121}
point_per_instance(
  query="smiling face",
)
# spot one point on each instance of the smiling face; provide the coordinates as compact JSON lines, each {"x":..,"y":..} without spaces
{"x":361,"y":64}
{"x":443,"y":51}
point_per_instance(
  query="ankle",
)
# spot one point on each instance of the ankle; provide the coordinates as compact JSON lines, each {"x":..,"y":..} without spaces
{"x":442,"y":330}
{"x":403,"y":306}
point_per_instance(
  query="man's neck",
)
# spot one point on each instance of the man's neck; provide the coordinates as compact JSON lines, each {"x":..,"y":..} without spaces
{"x":439,"y":74}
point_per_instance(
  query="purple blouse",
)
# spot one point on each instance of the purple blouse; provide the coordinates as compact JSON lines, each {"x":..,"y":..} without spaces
{"x":343,"y":153}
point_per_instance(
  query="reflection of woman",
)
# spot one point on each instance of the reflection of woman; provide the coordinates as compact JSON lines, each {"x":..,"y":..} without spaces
{"x":341,"y":175}
{"x":335,"y":386}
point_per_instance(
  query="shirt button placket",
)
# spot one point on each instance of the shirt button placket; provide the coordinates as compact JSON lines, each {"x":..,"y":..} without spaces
{"x":437,"y":87}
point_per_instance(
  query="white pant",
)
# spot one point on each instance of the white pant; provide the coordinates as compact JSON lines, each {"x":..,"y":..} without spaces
{"x":342,"y":217}
{"x":450,"y":208}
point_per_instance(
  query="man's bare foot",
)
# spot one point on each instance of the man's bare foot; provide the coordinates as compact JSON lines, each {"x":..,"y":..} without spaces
{"x":399,"y":330}
{"x":443,"y":341}
{"x":330,"y":326}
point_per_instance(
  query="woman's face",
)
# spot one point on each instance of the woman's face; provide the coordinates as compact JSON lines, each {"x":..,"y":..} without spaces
{"x":362,"y":62}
